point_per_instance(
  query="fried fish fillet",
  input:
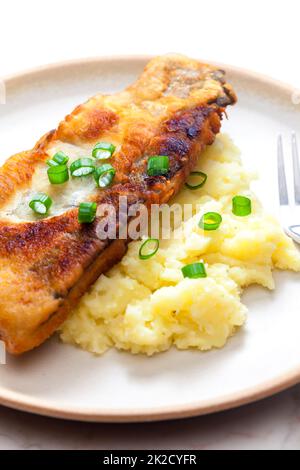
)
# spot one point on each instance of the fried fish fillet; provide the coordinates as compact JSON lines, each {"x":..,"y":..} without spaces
{"x":46,"y":264}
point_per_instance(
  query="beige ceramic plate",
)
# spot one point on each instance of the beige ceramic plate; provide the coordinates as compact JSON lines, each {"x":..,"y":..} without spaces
{"x":263,"y":358}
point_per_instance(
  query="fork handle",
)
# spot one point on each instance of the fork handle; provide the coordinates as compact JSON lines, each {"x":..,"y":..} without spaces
{"x":294,"y":232}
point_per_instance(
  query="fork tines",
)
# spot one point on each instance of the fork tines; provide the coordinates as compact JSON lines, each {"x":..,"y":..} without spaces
{"x":282,"y":182}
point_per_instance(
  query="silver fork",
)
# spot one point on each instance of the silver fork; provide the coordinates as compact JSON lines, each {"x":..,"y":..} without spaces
{"x":288,"y":210}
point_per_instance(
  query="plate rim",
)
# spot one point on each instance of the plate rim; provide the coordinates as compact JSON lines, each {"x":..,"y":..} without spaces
{"x":270,"y":387}
{"x":249,"y":395}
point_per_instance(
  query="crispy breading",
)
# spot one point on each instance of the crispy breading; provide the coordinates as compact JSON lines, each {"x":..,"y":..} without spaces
{"x":174,"y":109}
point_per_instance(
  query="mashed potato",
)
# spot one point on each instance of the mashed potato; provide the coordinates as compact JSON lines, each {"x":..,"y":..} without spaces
{"x":147,"y":306}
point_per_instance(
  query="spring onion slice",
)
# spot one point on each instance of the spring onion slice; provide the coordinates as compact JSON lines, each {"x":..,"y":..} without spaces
{"x":58,"y":174}
{"x":158,"y":165}
{"x":202,"y":178}
{"x":87,"y":212}
{"x":61,"y":158}
{"x":103,"y":150}
{"x":40,"y":203}
{"x":104,"y":175}
{"x":241,"y":206}
{"x":194,"y":270}
{"x":82,"y":167}
{"x":210,"y":221}
{"x":52,"y":163}
{"x":148,"y":248}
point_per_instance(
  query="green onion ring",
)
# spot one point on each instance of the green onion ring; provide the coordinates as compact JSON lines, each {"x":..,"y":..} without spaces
{"x":58,"y":174}
{"x":87,"y":212}
{"x":194,"y":271}
{"x":103,"y":150}
{"x":142,"y":254}
{"x":104,"y":175}
{"x":158,"y":165}
{"x":241,"y":206}
{"x":40,"y":203}
{"x":82,"y":167}
{"x":198,"y":185}
{"x":52,"y":163}
{"x":61,"y":158}
{"x":210,"y":221}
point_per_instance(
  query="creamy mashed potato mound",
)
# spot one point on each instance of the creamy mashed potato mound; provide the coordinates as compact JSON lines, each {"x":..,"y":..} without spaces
{"x":147,"y":306}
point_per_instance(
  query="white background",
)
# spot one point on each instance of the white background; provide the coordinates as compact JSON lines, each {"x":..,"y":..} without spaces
{"x":259,"y":35}
{"x":262,"y":35}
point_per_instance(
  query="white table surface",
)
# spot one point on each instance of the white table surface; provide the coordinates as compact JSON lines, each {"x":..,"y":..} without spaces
{"x":262,"y":36}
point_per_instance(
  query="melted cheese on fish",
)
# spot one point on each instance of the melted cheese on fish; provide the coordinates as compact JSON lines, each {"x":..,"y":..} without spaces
{"x":64,"y":196}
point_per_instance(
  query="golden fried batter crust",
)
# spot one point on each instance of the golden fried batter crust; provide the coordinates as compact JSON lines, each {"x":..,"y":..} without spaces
{"x":174,"y":109}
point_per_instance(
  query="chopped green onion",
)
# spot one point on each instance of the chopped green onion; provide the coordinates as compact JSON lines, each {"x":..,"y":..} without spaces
{"x":82,"y":167}
{"x":52,"y":163}
{"x":104,"y":175}
{"x":158,"y":165}
{"x":202,"y":180}
{"x":241,"y":206}
{"x":61,"y":158}
{"x":87,"y":212}
{"x":58,"y":174}
{"x":40,"y":203}
{"x":145,"y":251}
{"x":194,"y":270}
{"x":103,"y":150}
{"x":210,"y":221}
